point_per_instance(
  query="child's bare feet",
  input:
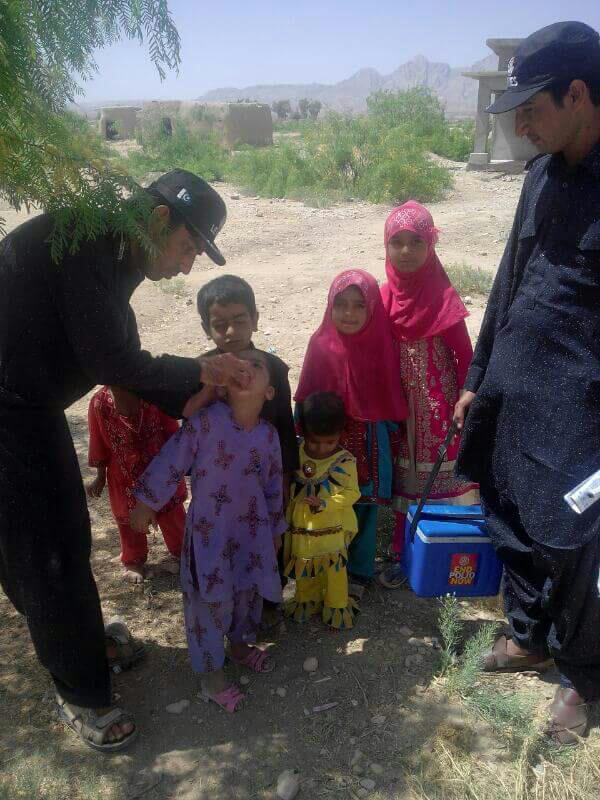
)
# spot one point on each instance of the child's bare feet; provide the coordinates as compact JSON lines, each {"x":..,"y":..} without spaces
{"x":134,"y":573}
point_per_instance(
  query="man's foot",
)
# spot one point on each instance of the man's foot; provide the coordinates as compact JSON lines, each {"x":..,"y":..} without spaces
{"x":568,"y":717}
{"x":122,"y":649}
{"x":507,"y":656}
{"x":104,"y":729}
{"x":392,"y":577}
{"x":134,"y":573}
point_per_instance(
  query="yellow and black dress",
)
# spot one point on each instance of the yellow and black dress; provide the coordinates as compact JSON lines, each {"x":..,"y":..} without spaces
{"x":316,"y":549}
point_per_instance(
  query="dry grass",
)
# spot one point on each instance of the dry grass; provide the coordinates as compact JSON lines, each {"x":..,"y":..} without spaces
{"x":176,"y":286}
{"x":468,"y":280}
{"x":48,"y":777}
{"x":522,"y":766}
{"x":448,"y":772}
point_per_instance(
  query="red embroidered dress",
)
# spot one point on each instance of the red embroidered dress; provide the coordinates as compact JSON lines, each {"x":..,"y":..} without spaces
{"x":126,"y":446}
{"x":432,"y":371}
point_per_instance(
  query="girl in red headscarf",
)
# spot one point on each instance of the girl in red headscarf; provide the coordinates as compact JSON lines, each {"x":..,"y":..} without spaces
{"x":428,"y":324}
{"x":352,"y":354}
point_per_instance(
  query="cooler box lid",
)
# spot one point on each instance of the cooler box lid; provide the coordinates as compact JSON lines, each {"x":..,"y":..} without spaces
{"x":450,"y":522}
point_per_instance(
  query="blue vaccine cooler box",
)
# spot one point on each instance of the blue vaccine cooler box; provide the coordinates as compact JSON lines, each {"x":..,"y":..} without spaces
{"x":450,"y":553}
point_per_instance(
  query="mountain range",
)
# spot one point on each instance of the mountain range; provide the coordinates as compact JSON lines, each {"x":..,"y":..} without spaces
{"x":457,"y":93}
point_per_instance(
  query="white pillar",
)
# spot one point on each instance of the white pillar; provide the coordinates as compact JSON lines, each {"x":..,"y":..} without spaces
{"x":480,"y":157}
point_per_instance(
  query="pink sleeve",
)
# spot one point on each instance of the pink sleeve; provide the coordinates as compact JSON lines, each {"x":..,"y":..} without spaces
{"x":458,"y":340}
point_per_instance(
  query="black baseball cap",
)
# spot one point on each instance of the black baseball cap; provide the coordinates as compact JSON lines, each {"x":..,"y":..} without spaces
{"x":562,"y":51}
{"x":197,"y":202}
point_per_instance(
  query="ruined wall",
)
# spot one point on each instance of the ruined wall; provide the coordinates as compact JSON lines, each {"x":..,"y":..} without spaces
{"x":248,"y":123}
{"x":118,"y":122}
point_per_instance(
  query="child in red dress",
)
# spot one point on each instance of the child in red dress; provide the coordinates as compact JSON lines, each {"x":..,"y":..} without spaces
{"x":125,"y":435}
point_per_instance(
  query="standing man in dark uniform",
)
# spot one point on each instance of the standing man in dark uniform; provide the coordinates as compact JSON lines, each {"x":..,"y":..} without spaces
{"x":533,"y":391}
{"x":65,"y":327}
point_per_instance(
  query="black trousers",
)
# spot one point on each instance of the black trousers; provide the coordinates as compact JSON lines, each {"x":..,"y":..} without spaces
{"x":551,"y":595}
{"x":45,"y":544}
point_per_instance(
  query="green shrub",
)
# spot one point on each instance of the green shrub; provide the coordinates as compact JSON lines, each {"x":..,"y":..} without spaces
{"x":382,"y":157}
{"x":294,"y":125}
{"x":419,"y":108}
{"x":195,"y":150}
{"x":344,"y":156}
{"x":454,"y":142}
{"x":277,"y":171}
{"x":420,"y":113}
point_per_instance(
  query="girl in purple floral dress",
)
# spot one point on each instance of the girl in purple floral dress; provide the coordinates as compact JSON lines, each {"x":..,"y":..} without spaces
{"x":233,"y":529}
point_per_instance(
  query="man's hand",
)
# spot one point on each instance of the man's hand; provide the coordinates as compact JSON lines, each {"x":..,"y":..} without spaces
{"x":224,"y":369}
{"x":461,"y":409}
{"x":141,"y":517}
{"x":96,"y":487}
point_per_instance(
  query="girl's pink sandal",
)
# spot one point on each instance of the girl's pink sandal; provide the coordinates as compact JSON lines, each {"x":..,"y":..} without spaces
{"x":229,"y":699}
{"x":257,"y":660}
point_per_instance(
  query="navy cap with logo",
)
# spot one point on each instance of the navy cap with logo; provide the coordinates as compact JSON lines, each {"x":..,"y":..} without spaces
{"x":197,"y":202}
{"x":562,"y":51}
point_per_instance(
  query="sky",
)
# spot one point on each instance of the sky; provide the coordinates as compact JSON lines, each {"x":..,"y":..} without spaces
{"x":236,"y":43}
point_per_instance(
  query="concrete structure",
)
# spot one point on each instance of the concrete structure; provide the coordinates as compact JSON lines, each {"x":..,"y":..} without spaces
{"x":506,"y":151}
{"x":248,"y":123}
{"x":118,"y":122}
{"x":163,"y":113}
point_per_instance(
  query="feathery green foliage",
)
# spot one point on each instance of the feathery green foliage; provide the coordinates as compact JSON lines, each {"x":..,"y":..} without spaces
{"x":511,"y":714}
{"x":420,"y":113}
{"x":49,"y":158}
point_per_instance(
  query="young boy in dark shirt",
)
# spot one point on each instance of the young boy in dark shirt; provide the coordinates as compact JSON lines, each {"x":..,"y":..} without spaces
{"x":227,"y":308}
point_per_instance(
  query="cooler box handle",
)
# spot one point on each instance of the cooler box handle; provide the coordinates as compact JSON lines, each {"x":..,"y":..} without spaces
{"x":461,"y":516}
{"x":442,"y":451}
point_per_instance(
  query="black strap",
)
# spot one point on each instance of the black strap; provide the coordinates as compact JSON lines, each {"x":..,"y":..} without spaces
{"x":442,"y":451}
{"x":463,"y":516}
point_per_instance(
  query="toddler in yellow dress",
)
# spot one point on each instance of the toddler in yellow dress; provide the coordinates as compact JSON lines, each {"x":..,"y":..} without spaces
{"x":321,"y":516}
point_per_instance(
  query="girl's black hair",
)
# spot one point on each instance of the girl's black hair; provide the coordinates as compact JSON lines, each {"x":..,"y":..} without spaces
{"x":323,"y":414}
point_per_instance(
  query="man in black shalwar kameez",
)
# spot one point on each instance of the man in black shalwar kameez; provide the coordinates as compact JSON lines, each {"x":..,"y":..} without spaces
{"x":533,"y":391}
{"x":65,"y":327}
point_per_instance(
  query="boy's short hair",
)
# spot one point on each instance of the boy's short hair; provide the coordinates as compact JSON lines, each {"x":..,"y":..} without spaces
{"x":224,"y":290}
{"x":323,"y":414}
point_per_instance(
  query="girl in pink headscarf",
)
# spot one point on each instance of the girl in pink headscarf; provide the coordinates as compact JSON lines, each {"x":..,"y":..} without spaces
{"x":352,"y":354}
{"x":428,"y":324}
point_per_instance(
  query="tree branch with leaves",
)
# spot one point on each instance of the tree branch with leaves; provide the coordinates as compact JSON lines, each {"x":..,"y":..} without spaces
{"x":49,"y":158}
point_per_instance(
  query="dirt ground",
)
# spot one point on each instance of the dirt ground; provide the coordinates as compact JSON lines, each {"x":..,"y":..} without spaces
{"x":384,"y":708}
